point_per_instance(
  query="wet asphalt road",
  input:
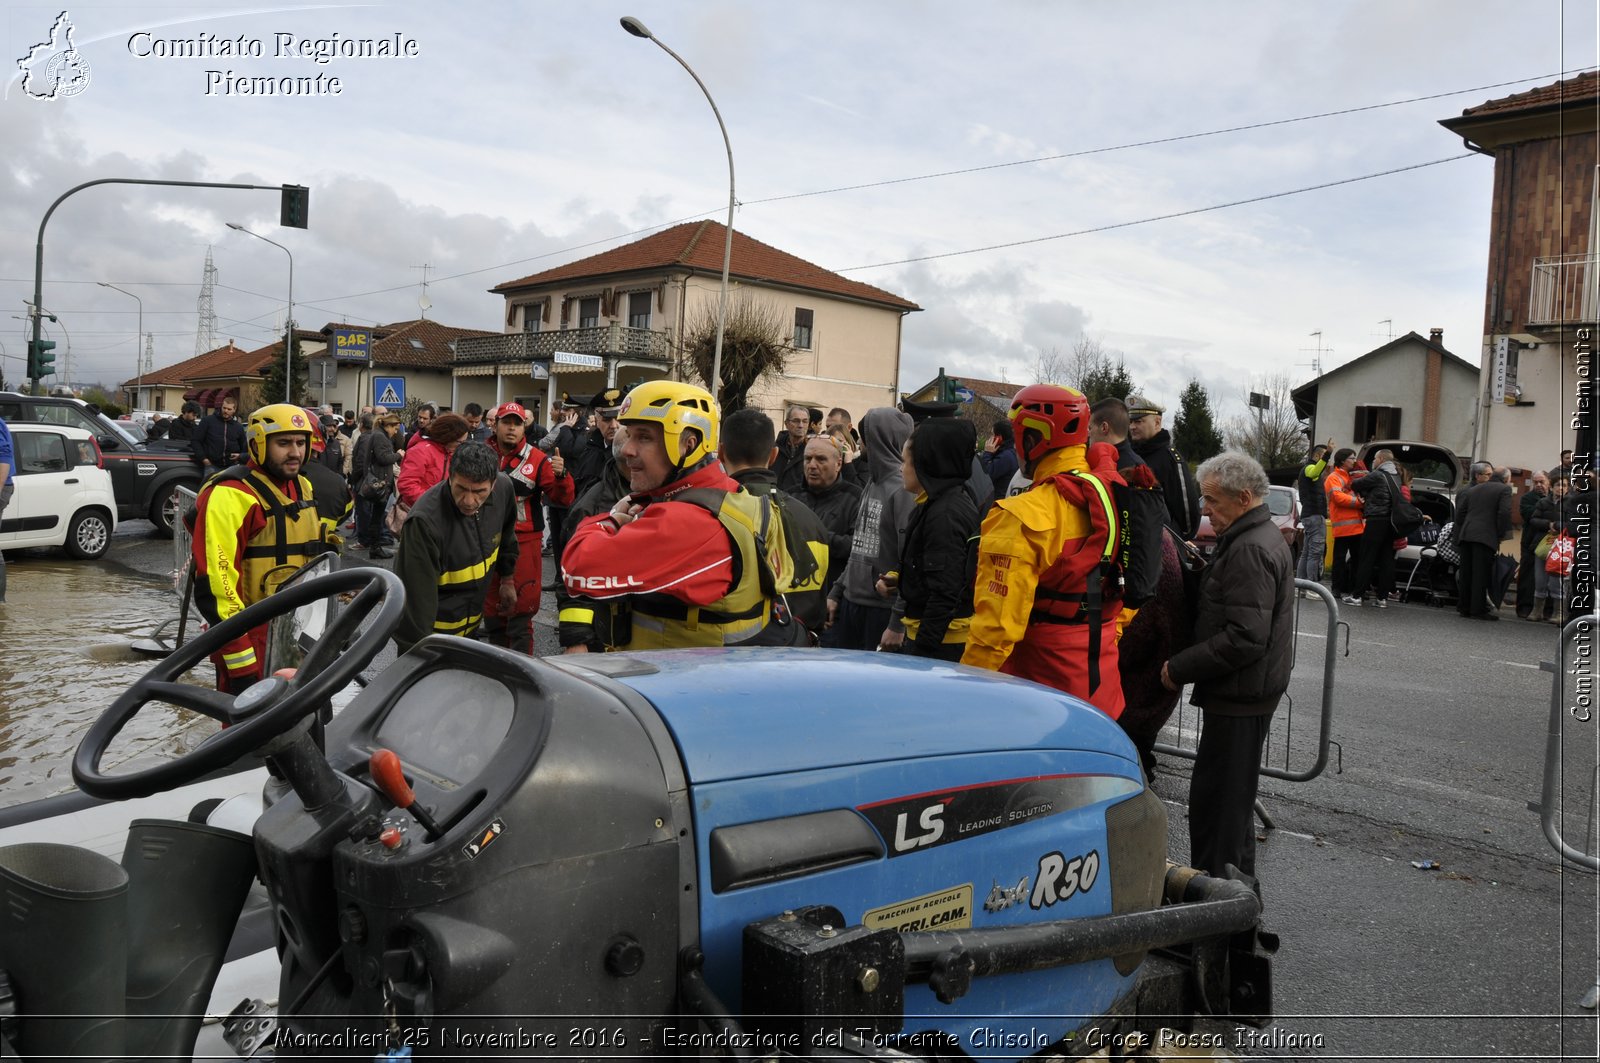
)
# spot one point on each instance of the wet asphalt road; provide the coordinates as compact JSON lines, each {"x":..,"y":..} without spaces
{"x":1441,"y":727}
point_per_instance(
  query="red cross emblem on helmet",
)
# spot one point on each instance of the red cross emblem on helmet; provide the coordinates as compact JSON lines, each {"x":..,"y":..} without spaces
{"x":297,"y":421}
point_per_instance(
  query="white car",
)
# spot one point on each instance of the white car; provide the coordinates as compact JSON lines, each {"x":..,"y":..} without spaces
{"x":62,"y":492}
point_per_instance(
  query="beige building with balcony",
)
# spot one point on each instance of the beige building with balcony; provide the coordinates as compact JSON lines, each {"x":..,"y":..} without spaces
{"x":1535,"y":395}
{"x":620,"y":317}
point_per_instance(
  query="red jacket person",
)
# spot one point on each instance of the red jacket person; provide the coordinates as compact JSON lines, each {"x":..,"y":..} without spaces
{"x":534,"y":477}
{"x":689,"y":558}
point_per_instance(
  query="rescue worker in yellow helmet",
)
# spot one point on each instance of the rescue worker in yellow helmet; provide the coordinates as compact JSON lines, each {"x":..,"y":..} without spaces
{"x":688,"y":558}
{"x":253,"y":525}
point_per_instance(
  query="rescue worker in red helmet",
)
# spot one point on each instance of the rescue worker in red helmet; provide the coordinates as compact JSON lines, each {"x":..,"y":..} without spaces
{"x":534,"y":477}
{"x":254,"y":524}
{"x":330,"y":490}
{"x":1048,"y":591}
{"x":688,"y":558}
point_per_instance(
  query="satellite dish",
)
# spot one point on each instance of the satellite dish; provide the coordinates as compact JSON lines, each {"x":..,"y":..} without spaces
{"x":424,"y":303}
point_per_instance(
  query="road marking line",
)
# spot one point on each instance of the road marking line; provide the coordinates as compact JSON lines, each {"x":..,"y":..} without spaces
{"x":1358,"y":642}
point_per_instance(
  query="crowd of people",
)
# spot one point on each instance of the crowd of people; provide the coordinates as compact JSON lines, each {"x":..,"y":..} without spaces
{"x":1370,"y":516}
{"x":1056,"y":549}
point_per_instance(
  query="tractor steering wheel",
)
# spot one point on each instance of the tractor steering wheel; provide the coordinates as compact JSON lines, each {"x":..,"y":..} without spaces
{"x":267,"y":709}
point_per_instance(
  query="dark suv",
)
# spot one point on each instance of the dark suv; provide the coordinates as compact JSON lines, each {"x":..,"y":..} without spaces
{"x":144,"y":476}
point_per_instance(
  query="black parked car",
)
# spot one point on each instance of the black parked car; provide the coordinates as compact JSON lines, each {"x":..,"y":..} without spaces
{"x":144,"y":476}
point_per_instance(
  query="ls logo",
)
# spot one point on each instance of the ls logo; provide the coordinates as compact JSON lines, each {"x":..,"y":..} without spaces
{"x":932,"y":823}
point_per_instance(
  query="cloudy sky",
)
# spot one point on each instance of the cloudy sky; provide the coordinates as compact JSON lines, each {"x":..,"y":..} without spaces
{"x":522,"y":135}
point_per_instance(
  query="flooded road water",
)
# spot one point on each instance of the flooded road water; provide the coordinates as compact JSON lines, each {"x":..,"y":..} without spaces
{"x":65,"y":631}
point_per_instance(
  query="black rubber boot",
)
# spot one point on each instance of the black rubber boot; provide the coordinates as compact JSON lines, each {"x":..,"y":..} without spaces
{"x":186,"y":885}
{"x":63,"y":941}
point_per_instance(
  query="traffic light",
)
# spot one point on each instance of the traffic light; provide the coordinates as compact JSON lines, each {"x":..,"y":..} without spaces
{"x":41,"y":358}
{"x":295,"y":210}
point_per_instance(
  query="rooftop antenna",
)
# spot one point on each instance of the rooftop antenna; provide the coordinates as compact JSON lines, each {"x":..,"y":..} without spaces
{"x":1316,"y":358}
{"x":424,"y":304}
{"x":1390,"y":322}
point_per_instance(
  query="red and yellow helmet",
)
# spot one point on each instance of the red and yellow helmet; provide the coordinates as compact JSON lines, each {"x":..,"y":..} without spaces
{"x":1057,"y":416}
{"x":318,"y":443}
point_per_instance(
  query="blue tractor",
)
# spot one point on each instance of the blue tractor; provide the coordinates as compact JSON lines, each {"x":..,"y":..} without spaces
{"x":690,"y":853}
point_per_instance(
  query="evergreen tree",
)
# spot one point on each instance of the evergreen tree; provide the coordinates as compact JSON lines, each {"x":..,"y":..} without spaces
{"x":1097,"y":372}
{"x":272,"y":385}
{"x":1194,"y":431}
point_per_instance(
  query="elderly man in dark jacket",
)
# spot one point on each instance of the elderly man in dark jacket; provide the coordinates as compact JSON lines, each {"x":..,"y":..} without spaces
{"x":1240,"y":661}
{"x":1483,"y":520}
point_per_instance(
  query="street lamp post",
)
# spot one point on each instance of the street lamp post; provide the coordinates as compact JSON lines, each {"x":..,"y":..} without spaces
{"x":138,"y":338}
{"x":288,"y":323}
{"x":637,"y":28}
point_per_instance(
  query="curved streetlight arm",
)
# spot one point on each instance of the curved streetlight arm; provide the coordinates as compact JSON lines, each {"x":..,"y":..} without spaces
{"x":38,"y":250}
{"x":637,"y":28}
{"x":288,"y":319}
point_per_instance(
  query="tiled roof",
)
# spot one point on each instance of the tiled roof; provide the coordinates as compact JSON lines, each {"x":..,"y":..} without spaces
{"x":698,"y":246}
{"x":996,"y":388}
{"x":1572,"y":90}
{"x":219,"y":362}
{"x":394,"y":344}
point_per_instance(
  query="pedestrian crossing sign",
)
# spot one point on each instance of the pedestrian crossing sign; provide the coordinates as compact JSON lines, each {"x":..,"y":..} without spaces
{"x":389,"y":391}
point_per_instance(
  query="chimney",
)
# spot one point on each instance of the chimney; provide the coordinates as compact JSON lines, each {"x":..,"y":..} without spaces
{"x":1436,"y":335}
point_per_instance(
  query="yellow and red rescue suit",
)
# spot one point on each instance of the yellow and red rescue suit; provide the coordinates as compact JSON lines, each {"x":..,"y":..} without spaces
{"x":1040,"y":584}
{"x":533,"y":479}
{"x":250,"y":534}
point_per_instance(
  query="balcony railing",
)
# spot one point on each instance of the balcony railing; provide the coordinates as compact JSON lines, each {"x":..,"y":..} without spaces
{"x":1563,"y":290}
{"x":611,"y":340}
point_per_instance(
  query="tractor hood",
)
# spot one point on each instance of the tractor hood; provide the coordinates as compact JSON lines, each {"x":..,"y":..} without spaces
{"x":779,"y":711}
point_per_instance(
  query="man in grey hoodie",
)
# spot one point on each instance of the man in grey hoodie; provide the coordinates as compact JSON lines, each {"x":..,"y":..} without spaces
{"x":857,"y":614}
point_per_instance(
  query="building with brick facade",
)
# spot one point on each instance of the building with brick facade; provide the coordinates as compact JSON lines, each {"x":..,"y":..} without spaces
{"x":1543,"y":284}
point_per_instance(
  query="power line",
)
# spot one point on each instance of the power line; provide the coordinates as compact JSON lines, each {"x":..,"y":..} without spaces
{"x":979,"y":169}
{"x":1150,"y":143}
{"x":1158,"y":217}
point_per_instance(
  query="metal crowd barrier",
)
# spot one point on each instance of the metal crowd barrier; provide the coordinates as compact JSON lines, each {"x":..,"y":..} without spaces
{"x":1187,"y":719}
{"x":1285,"y":714}
{"x":170,"y":633}
{"x":1582,"y":710}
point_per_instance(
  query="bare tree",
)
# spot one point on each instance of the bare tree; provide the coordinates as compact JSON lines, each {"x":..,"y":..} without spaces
{"x":1051,"y":367}
{"x":1277,"y":439}
{"x":755,"y":344}
{"x":1096,"y":371}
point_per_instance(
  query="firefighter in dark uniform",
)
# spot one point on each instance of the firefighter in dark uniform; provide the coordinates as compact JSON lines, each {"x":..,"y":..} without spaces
{"x":687,"y":559}
{"x":534,"y":477}
{"x":254,"y":525}
{"x":330,"y":489}
{"x":460,"y":531}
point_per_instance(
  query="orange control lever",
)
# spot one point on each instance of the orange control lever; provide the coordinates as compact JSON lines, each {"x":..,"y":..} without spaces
{"x":391,"y":779}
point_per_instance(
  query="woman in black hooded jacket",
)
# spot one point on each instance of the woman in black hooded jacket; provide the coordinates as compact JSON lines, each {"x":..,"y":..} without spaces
{"x":940,"y":552}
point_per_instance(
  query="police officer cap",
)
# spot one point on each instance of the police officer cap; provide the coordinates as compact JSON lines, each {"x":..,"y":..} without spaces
{"x":1139,"y":406}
